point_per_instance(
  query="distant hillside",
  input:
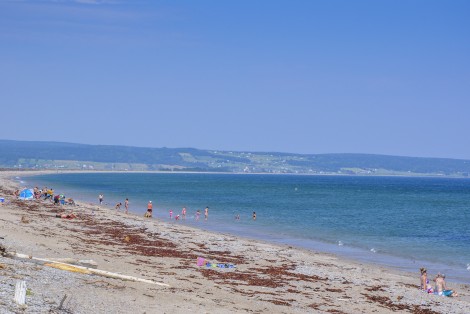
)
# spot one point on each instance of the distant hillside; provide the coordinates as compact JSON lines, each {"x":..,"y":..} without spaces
{"x":56,"y":155}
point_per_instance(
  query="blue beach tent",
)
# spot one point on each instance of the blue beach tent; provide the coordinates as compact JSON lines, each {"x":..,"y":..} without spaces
{"x":26,"y":194}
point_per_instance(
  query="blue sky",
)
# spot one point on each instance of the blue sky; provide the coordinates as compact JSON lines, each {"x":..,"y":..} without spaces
{"x":382,"y":77}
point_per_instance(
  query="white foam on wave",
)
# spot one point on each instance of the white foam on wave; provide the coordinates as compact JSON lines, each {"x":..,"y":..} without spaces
{"x":373,"y":250}
{"x":340,"y":243}
{"x":468,"y":266}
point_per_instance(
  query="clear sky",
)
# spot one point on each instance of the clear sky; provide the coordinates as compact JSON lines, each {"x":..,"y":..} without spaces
{"x":383,"y":77}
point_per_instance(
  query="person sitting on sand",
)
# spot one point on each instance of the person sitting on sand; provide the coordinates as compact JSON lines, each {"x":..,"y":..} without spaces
{"x":118,"y":206}
{"x":44,"y":192}
{"x":441,"y":288}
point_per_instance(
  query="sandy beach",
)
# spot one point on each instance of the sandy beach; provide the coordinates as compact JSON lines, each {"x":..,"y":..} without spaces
{"x":265,"y":278}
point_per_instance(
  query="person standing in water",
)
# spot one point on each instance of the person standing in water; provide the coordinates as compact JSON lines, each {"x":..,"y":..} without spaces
{"x":254,"y":215}
{"x":148,"y":214}
{"x":183,"y":213}
{"x":206,"y":213}
{"x":126,"y":205}
{"x":100,"y":198}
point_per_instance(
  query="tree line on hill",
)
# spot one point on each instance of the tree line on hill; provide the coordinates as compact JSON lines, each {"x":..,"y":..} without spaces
{"x":43,"y":155}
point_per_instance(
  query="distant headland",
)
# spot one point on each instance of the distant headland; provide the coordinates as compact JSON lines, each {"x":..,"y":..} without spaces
{"x":69,"y":156}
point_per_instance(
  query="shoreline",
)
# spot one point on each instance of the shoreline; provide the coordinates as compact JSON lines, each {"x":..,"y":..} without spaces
{"x":455,"y":273}
{"x":417,"y":175}
{"x":268,"y":276}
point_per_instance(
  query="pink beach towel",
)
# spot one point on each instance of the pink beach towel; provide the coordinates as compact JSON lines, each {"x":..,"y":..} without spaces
{"x":200,"y":261}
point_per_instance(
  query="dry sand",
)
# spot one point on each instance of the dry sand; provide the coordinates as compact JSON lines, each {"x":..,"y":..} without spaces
{"x":268,"y":278}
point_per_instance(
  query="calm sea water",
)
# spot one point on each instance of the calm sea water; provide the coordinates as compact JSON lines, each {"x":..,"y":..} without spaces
{"x":396,"y":221}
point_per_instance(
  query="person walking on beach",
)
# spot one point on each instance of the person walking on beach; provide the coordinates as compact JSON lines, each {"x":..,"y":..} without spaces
{"x":100,"y":198}
{"x":148,"y":214}
{"x":206,"y":213}
{"x":183,"y":213}
{"x":126,"y":205}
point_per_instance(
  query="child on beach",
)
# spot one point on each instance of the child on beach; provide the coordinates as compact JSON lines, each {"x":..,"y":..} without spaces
{"x":126,"y":205}
{"x":118,"y":206}
{"x":171,"y":213}
{"x":183,"y":213}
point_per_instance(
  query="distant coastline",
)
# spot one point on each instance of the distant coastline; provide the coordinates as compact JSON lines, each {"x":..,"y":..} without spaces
{"x":34,"y":172}
{"x":18,"y":155}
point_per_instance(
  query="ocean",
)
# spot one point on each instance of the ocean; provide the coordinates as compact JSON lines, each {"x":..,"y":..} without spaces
{"x":399,"y":222}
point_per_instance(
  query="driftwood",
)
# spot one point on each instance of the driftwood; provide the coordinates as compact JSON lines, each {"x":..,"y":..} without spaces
{"x":20,"y":292}
{"x":82,"y":269}
{"x":62,"y":302}
{"x":87,"y":263}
